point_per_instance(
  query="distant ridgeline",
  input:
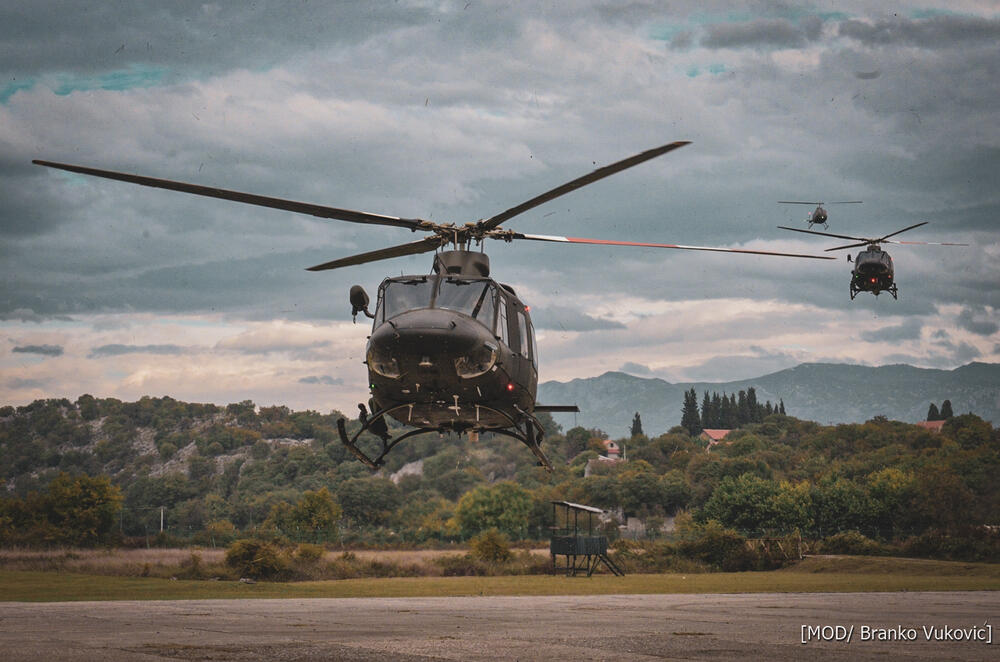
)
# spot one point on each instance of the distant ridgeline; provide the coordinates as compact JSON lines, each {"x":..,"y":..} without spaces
{"x":821,"y":392}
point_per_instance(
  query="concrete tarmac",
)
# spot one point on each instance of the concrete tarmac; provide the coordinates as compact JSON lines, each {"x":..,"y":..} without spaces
{"x":616,"y":627}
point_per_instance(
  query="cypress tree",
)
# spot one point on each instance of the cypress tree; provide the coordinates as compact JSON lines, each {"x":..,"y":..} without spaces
{"x":781,"y":407}
{"x":743,"y":409}
{"x":756,"y":409}
{"x":932,"y":413}
{"x":636,"y":425}
{"x":706,"y":411}
{"x":690,"y":419}
{"x":946,"y":411}
{"x":716,"y":421}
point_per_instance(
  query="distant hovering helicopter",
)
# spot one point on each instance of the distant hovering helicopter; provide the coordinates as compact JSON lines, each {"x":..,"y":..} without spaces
{"x":819,"y":214}
{"x":451,"y":350}
{"x":873,"y":270}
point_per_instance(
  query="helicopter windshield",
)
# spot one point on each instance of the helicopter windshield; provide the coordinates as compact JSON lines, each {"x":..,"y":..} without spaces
{"x":475,"y":298}
{"x":400,"y":296}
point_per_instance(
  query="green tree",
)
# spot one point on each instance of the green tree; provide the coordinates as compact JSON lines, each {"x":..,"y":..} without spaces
{"x":932,"y":413}
{"x":83,"y":508}
{"x":369,"y":500}
{"x":690,"y":419}
{"x":316,"y":513}
{"x":505,"y":506}
{"x":946,"y":411}
{"x":636,"y":428}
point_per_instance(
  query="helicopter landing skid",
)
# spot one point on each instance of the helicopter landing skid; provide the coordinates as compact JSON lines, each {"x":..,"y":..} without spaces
{"x":375,"y":423}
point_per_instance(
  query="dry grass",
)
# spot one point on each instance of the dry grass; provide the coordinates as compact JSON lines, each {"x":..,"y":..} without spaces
{"x":112,"y":562}
{"x":176,"y":562}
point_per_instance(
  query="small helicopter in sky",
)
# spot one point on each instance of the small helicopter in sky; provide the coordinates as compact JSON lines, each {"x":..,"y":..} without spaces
{"x":873,"y":271}
{"x":453,"y":349}
{"x":819,"y":214}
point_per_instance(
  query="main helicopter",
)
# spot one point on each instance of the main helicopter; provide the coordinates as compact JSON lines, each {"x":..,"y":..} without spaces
{"x":873,"y":271}
{"x":818,"y":215}
{"x":453,"y":349}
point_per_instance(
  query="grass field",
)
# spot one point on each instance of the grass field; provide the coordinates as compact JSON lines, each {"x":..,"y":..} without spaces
{"x":818,"y":574}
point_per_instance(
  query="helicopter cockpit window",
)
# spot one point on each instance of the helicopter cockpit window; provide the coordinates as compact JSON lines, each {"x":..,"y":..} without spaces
{"x":475,"y":298}
{"x":399,"y":296}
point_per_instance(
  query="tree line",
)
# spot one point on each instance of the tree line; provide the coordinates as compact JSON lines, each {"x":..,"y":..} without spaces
{"x":725,"y":412}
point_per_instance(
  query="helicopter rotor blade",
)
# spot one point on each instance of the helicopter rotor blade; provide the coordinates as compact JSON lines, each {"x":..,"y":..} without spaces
{"x":924,"y":243}
{"x":600,"y":173}
{"x":903,"y":230}
{"x":425,"y":245}
{"x":246,"y":198}
{"x":824,"y":234}
{"x":845,"y":202}
{"x":640,"y":244}
{"x":840,"y":248}
{"x":797,"y":202}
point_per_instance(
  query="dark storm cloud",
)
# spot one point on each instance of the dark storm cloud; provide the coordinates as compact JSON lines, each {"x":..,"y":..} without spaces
{"x":44,"y":350}
{"x":908,"y":330}
{"x":63,"y":37}
{"x":971,"y":320}
{"x":29,"y":315}
{"x":682,"y":41}
{"x":762,"y":33}
{"x":570,"y":319}
{"x":934,"y":32}
{"x":325,"y":380}
{"x":118,"y":350}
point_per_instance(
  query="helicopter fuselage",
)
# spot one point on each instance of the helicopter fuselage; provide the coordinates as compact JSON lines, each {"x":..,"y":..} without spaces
{"x":452,"y":352}
{"x":818,"y":217}
{"x":873,"y":272}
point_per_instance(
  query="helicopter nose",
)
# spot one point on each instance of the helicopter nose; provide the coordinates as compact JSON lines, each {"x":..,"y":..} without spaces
{"x":426,"y":342}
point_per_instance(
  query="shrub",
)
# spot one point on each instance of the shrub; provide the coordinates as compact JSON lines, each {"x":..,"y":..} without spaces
{"x":309,"y":553}
{"x":851,"y":542}
{"x":257,"y":559}
{"x":490,"y":546}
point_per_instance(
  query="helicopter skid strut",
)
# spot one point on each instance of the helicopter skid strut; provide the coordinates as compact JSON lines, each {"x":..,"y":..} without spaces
{"x":531,"y":437}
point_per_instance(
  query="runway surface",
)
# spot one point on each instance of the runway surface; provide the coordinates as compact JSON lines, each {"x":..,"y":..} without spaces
{"x":617,"y":627}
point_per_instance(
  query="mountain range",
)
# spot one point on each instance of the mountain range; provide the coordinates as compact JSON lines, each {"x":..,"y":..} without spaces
{"x":827,"y":393}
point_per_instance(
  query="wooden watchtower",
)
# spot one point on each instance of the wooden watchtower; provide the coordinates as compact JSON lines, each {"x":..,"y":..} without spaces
{"x":582,"y":552}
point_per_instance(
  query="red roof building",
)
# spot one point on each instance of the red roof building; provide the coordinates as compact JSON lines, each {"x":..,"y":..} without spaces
{"x":933,"y":426}
{"x":713,"y":437}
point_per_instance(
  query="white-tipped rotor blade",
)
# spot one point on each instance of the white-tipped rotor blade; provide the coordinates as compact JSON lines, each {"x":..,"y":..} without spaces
{"x":642,"y":244}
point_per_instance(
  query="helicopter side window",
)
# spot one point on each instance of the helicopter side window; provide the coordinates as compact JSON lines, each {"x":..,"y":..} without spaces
{"x":522,"y":323}
{"x":400,"y":296}
{"x":534,"y":347}
{"x":502,"y":321}
{"x":380,"y":308}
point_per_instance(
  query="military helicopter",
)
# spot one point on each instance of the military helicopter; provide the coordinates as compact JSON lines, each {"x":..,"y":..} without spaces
{"x":873,"y":271}
{"x":453,"y":349}
{"x":819,"y":214}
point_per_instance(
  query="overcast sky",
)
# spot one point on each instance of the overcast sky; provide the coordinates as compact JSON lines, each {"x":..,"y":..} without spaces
{"x":454,"y":111}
